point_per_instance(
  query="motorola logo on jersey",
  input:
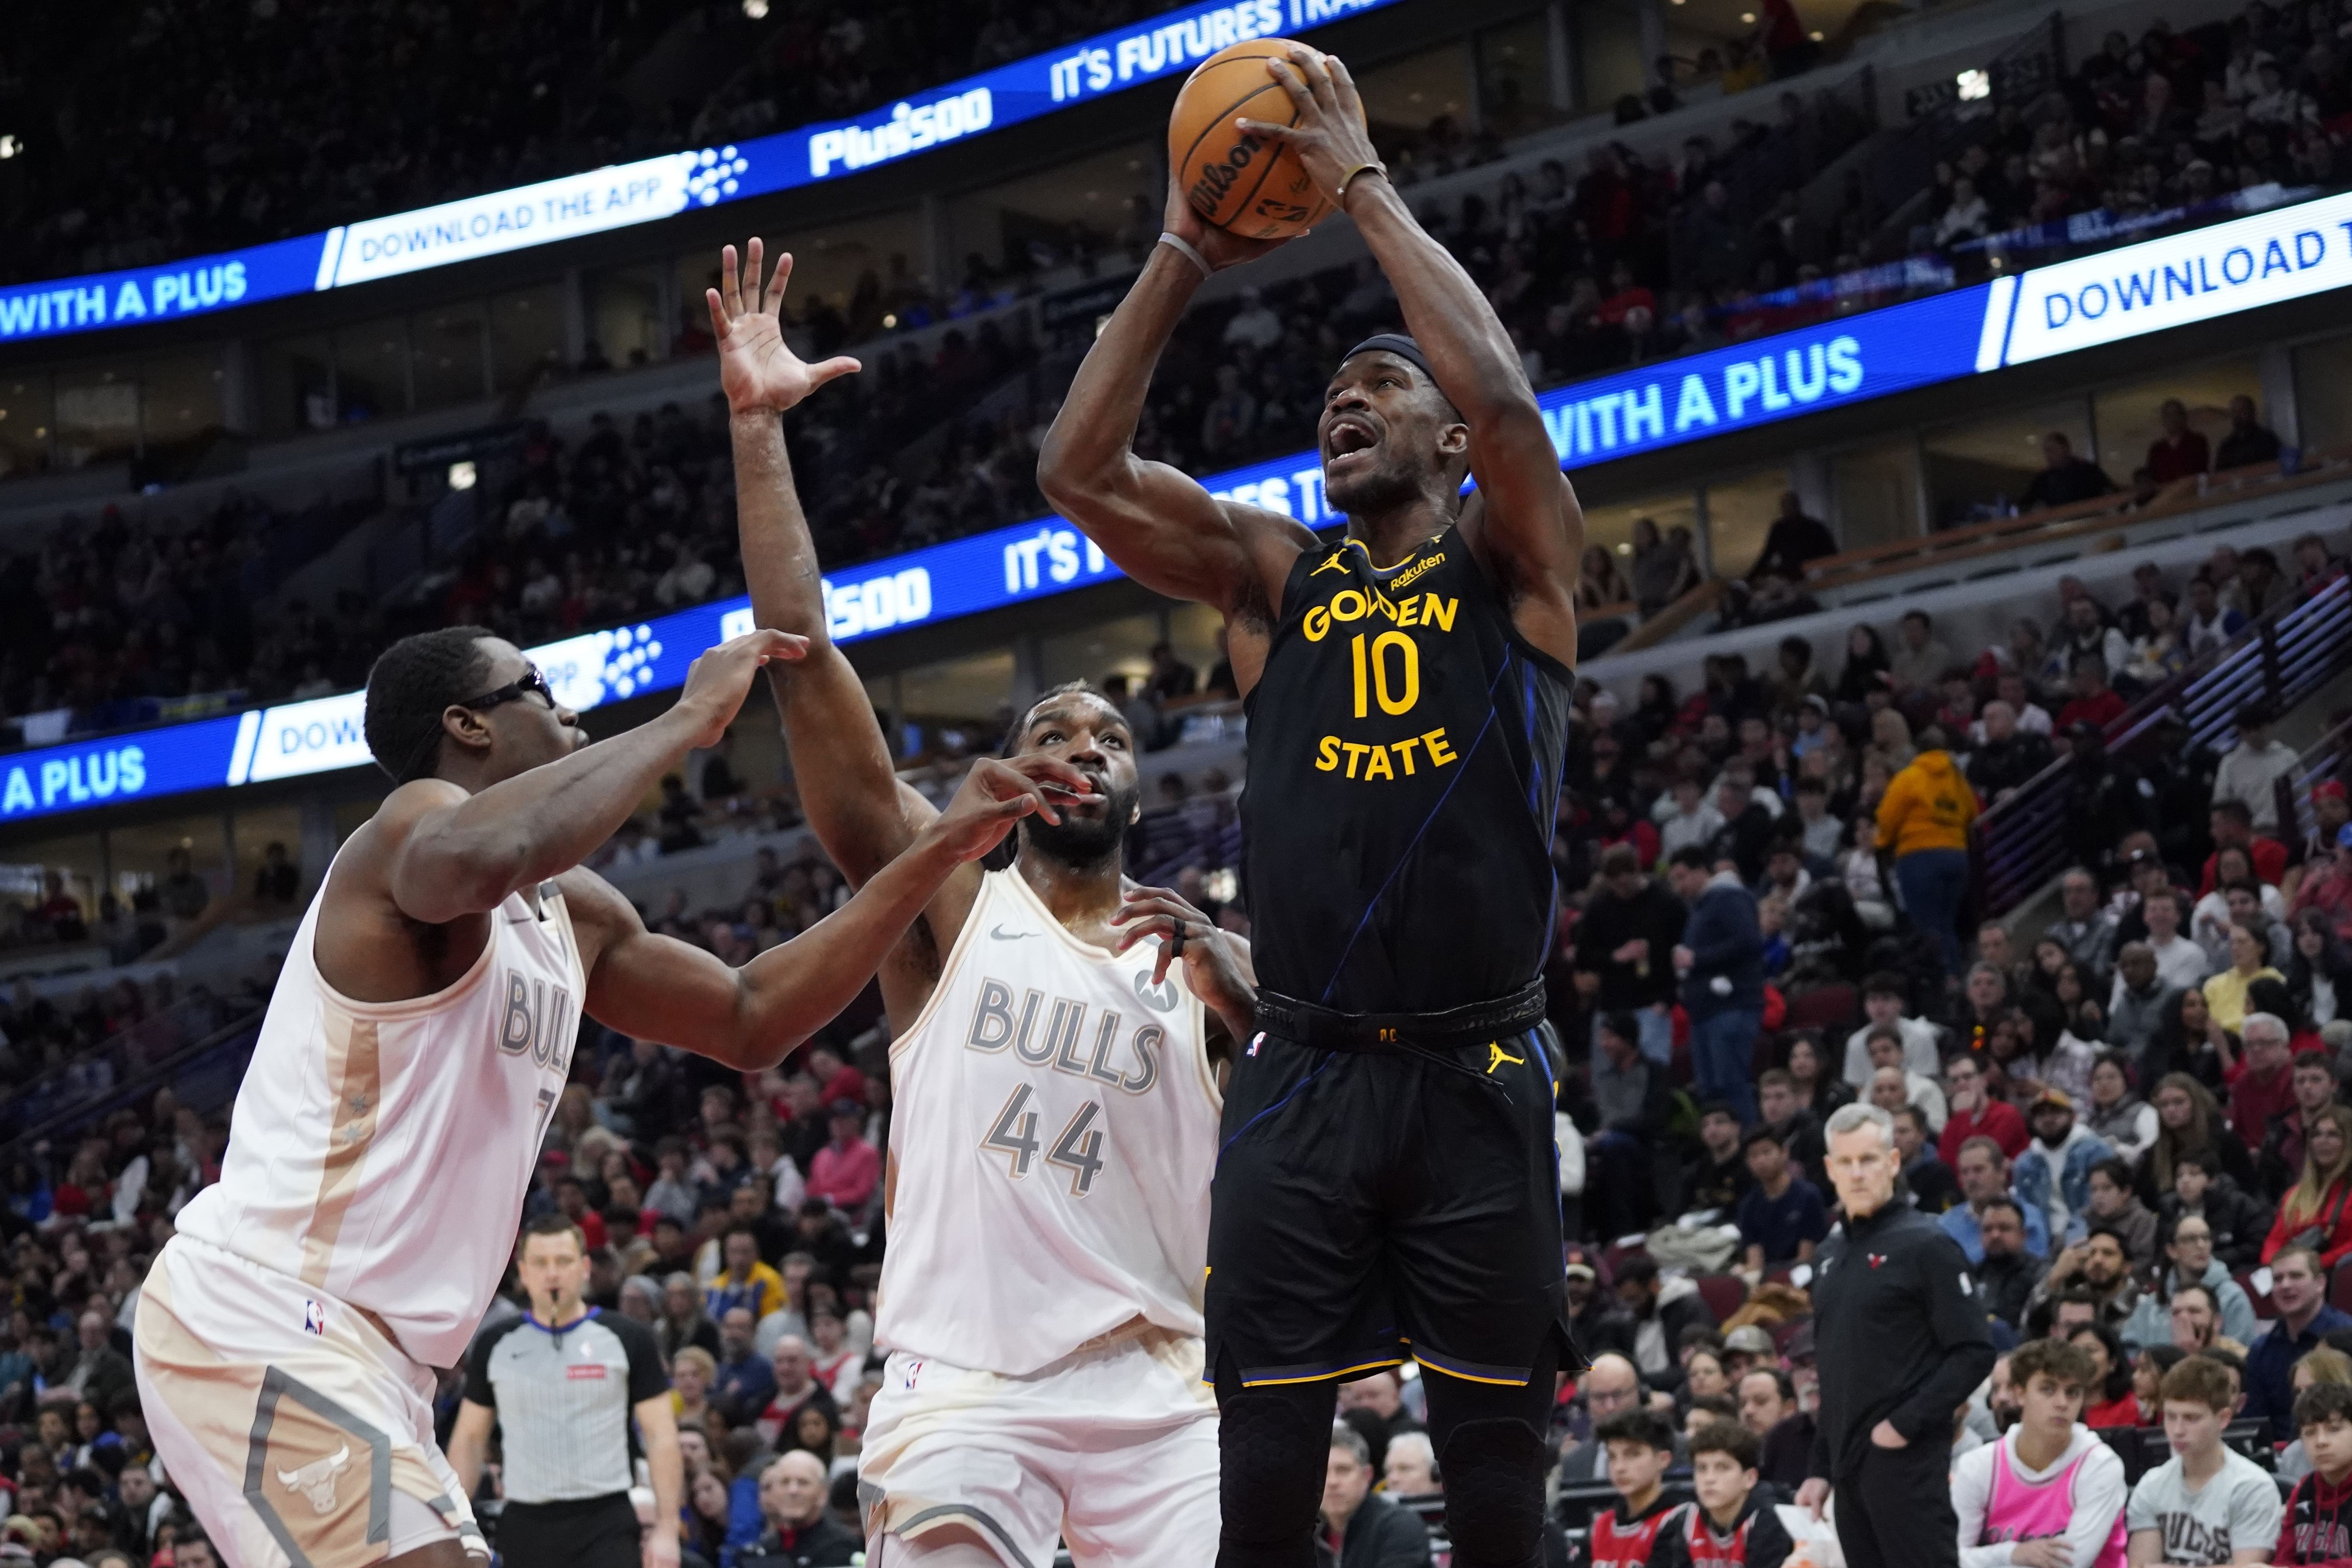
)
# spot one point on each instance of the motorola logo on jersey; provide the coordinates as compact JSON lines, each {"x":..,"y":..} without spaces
{"x":1160,"y":998}
{"x":1063,"y":1044}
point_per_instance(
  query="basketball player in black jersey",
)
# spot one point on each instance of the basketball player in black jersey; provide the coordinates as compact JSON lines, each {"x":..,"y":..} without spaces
{"x":1387,"y":1182}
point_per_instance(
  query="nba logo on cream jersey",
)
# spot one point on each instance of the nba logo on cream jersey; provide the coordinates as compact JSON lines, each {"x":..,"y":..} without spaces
{"x":1050,"y":1153}
{"x":381,"y":1152}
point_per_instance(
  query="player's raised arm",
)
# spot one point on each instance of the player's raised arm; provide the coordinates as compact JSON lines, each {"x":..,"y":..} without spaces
{"x":655,"y":987}
{"x":853,"y":801}
{"x":442,"y":853}
{"x":1156,"y":521}
{"x":1525,"y":518}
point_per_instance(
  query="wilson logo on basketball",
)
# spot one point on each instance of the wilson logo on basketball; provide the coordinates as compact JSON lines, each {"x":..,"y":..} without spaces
{"x":1217,"y":176}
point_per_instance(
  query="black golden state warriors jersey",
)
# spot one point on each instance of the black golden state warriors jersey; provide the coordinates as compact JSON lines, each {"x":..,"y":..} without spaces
{"x":1405,"y":747}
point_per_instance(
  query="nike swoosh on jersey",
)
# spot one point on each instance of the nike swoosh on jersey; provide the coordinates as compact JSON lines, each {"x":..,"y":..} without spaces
{"x":1001,"y":934}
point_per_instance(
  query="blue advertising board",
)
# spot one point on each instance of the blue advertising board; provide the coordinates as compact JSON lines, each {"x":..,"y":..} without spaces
{"x":2165,"y":283}
{"x":650,"y":189}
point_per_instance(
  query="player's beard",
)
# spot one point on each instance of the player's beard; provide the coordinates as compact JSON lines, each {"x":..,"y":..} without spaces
{"x":1384,"y":488}
{"x":1082,"y":841}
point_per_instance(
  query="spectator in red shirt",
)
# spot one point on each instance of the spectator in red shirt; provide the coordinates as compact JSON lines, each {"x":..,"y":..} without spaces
{"x":571,"y":1198}
{"x":845,"y":1170}
{"x":2262,"y":1081}
{"x":2233,"y":827}
{"x":2326,"y":886}
{"x":2095,"y":702}
{"x":2179,"y":453}
{"x":2317,"y":1212}
{"x":836,"y":1078}
{"x":1624,"y":294}
{"x":1974,"y":1113}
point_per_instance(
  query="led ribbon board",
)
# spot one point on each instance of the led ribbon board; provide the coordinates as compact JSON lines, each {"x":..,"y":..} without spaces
{"x":2282,"y":255}
{"x":650,"y":189}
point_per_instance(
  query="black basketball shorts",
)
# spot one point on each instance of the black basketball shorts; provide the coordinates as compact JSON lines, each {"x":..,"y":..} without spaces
{"x":1368,"y":1207}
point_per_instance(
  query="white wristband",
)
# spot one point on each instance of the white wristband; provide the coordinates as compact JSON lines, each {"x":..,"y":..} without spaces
{"x":1184,"y":249}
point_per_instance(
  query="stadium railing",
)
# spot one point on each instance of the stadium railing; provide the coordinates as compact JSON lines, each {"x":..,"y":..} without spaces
{"x":2126,"y":508}
{"x":2322,"y":761}
{"x":205,"y":1069}
{"x":2284,"y":656}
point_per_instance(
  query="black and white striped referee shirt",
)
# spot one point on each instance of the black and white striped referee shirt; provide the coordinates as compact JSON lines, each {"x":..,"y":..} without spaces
{"x":564,"y":1398}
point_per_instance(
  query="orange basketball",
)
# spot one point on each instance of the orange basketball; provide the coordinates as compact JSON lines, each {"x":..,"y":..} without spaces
{"x":1251,"y":185}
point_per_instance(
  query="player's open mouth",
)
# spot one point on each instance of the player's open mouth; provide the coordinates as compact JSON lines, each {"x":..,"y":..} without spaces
{"x":1349,"y":441}
{"x":1066,"y":800}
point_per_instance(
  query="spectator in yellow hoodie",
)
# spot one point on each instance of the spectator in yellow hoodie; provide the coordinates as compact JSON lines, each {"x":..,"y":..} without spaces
{"x":1923,"y":820}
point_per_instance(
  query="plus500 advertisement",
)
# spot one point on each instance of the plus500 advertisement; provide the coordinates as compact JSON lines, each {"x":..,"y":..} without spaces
{"x":651,"y":189}
{"x":2051,"y":311}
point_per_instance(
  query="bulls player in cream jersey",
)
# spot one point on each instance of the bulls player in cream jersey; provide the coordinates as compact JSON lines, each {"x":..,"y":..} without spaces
{"x":413,"y":1051}
{"x":1057,"y":1101}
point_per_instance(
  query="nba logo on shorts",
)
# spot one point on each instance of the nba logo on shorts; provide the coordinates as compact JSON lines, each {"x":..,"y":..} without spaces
{"x":913,"y":1370}
{"x":314,"y":1317}
{"x":1256,"y":1042}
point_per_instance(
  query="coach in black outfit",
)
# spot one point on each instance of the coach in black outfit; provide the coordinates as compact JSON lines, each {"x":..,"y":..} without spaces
{"x":1894,"y":1299}
{"x":564,"y":1381}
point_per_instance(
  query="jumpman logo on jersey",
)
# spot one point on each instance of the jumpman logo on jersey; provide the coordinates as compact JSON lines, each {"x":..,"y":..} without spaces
{"x":1499,"y":1056}
{"x":1337,"y":563}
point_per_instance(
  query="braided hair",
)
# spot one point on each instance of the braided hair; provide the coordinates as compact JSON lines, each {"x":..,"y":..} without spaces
{"x":410,"y":686}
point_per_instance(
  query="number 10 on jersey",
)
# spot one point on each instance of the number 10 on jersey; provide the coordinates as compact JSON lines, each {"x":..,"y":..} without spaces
{"x":1077,"y":1150}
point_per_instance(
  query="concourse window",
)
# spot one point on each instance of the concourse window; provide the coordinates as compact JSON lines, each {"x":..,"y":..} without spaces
{"x":1419,"y":106}
{"x":1739,"y":513}
{"x":2323,"y":394}
{"x":2130,"y":419}
{"x":1980,"y":469}
{"x":1096,"y":653}
{"x":297,"y":385}
{"x":1876,"y":493}
{"x":372,"y":371}
{"x":526,"y":335}
{"x":624,"y":318}
{"x":445,"y":349}
{"x":25,"y":422}
{"x":98,"y":414}
{"x":1515,"y":77}
{"x":180,"y":396}
{"x":969,"y":699}
{"x":1616,"y":526}
{"x":1044,"y":220}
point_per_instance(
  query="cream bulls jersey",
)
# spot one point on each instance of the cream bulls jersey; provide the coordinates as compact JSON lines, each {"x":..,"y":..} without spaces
{"x":1054,"y":1133}
{"x":381,"y":1151}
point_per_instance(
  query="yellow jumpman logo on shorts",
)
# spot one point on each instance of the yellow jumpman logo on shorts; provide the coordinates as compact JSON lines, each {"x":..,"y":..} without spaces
{"x":1500,"y":1057}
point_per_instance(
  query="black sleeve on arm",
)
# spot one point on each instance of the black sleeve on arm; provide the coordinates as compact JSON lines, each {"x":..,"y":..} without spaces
{"x":1956,"y":1318}
{"x":646,"y":1377}
{"x":477,"y":1366}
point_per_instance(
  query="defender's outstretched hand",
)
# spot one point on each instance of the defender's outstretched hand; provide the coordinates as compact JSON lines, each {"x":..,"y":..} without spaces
{"x":996,"y":795}
{"x":757,"y":369}
{"x":1329,"y":137}
{"x":718,"y":682}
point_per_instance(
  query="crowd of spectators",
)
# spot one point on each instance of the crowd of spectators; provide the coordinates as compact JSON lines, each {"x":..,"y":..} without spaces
{"x":284,"y":117}
{"x":2116,"y":1121}
{"x":2129,"y":1114}
{"x":2175,"y":120}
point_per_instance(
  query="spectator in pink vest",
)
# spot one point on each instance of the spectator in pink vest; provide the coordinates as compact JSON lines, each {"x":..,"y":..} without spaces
{"x":844,"y":1170}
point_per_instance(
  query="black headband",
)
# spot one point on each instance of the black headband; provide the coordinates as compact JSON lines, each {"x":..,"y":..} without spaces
{"x":1396,"y":344}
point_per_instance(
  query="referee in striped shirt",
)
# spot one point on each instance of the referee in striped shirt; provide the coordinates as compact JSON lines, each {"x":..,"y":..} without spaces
{"x":563,"y":1382}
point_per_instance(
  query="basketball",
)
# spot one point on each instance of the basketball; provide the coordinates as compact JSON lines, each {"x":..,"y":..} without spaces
{"x":1237,"y":182}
